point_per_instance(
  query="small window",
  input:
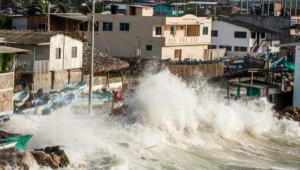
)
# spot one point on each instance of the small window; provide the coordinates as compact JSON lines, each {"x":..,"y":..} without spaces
{"x":228,"y":48}
{"x":158,"y":30}
{"x":149,"y":47}
{"x":124,"y":26}
{"x":214,"y":33}
{"x":107,"y":26}
{"x":43,"y":27}
{"x":172,"y":30}
{"x":74,"y":52}
{"x":212,"y":46}
{"x":263,"y":35}
{"x":58,"y":53}
{"x":205,"y":31}
{"x":242,"y":49}
{"x":240,"y":34}
{"x":253,"y":35}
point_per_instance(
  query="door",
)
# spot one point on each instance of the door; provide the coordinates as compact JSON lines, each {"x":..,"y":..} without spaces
{"x":178,"y":53}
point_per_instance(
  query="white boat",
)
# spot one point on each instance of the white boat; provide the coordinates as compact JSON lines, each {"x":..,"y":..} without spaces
{"x":8,"y":145}
{"x":21,"y":97}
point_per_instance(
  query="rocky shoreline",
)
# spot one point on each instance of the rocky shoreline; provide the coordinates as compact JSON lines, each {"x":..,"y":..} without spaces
{"x":53,"y":157}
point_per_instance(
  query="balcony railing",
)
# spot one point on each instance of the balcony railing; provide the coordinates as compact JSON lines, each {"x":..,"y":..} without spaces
{"x":184,"y":40}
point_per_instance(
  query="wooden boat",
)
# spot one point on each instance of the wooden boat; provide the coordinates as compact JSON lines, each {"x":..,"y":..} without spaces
{"x":4,"y":118}
{"x":21,"y":97}
{"x":9,"y":140}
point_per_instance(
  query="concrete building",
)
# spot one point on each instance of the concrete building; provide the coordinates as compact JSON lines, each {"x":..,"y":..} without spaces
{"x":241,"y":38}
{"x":56,"y":59}
{"x":139,"y":33}
{"x":7,"y":56}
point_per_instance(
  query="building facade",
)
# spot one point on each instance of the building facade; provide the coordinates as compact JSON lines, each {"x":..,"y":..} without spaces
{"x":141,"y":34}
{"x":240,"y":38}
{"x":55,"y":59}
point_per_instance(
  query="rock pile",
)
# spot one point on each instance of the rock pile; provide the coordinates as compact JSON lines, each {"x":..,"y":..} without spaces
{"x":290,"y":112}
{"x":52,"y":157}
{"x":15,"y":159}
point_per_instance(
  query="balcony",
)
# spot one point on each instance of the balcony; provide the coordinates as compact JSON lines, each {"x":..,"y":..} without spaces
{"x":40,"y":66}
{"x":176,"y":41}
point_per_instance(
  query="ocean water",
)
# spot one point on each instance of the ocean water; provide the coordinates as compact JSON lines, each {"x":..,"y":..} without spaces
{"x":170,"y":125}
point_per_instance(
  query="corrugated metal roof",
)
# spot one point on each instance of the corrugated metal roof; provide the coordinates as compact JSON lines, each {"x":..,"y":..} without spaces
{"x":26,"y":37}
{"x":74,"y":16}
{"x":7,"y":50}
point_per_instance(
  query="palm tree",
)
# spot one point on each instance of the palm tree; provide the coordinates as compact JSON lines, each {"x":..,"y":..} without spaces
{"x":41,"y":6}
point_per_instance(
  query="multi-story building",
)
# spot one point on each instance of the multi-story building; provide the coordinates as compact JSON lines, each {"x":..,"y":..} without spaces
{"x":240,"y":38}
{"x":139,"y":33}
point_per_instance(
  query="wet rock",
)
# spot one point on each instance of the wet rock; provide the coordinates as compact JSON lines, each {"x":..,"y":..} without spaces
{"x":52,"y":157}
{"x":290,"y":112}
{"x":15,"y":159}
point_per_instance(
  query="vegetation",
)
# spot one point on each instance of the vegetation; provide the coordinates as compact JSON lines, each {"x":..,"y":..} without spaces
{"x":87,"y":9}
{"x":5,"y":62}
{"x":5,"y":22}
{"x":41,"y":6}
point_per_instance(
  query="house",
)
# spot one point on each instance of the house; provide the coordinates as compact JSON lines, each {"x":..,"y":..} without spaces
{"x":7,"y":61}
{"x":240,"y":38}
{"x":56,"y":59}
{"x":140,"y":33}
{"x":74,"y":24}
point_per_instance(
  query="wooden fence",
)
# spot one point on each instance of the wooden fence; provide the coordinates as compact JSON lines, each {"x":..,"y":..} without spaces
{"x":189,"y":72}
{"x":6,"y":92}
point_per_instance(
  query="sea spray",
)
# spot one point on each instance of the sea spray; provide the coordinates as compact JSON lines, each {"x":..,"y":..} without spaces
{"x":170,"y":125}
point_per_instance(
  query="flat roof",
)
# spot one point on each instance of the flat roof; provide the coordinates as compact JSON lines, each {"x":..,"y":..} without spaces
{"x":11,"y":50}
{"x":198,"y":3}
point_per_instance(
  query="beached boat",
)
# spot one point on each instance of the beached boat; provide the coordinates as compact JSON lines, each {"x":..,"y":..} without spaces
{"x":4,"y":118}
{"x":21,"y":97}
{"x":8,"y":140}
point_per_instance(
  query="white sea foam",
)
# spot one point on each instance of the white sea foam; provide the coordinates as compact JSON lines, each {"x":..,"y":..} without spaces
{"x":170,"y":125}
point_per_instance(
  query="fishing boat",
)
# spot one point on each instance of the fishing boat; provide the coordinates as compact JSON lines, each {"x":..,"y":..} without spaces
{"x":8,"y":140}
{"x":21,"y":97}
{"x":4,"y":118}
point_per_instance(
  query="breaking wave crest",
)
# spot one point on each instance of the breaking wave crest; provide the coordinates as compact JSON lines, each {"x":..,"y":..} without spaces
{"x":171,"y":125}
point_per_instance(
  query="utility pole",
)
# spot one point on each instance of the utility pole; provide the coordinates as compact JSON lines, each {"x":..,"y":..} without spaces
{"x":48,"y":12}
{"x":296,"y":7}
{"x":92,"y":58}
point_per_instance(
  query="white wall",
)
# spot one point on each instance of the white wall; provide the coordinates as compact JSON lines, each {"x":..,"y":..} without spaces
{"x":226,"y":35}
{"x":66,"y":61}
{"x":296,"y":100}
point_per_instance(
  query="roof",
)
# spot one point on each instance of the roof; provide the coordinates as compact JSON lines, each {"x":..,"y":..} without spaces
{"x":295,"y":26}
{"x":246,"y":25}
{"x":26,"y":37}
{"x":102,"y":63}
{"x":7,"y":50}
{"x":140,"y":6}
{"x":195,"y":2}
{"x":74,"y":16}
{"x":290,"y":44}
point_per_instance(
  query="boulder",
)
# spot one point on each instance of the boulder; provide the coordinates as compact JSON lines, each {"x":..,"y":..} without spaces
{"x":290,"y":112}
{"x":52,"y":157}
{"x":15,"y":159}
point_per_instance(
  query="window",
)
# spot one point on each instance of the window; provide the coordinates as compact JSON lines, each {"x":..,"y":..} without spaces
{"x":58,"y":53}
{"x":242,"y":49}
{"x":107,"y":26}
{"x":158,"y":30}
{"x":214,"y":33}
{"x":240,"y":34}
{"x":205,"y":31}
{"x":43,"y":27}
{"x":212,"y":46}
{"x":74,"y":52}
{"x":253,"y":35}
{"x":124,"y":26}
{"x":263,"y":35}
{"x":228,"y":48}
{"x":172,"y":30}
{"x":149,"y":47}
